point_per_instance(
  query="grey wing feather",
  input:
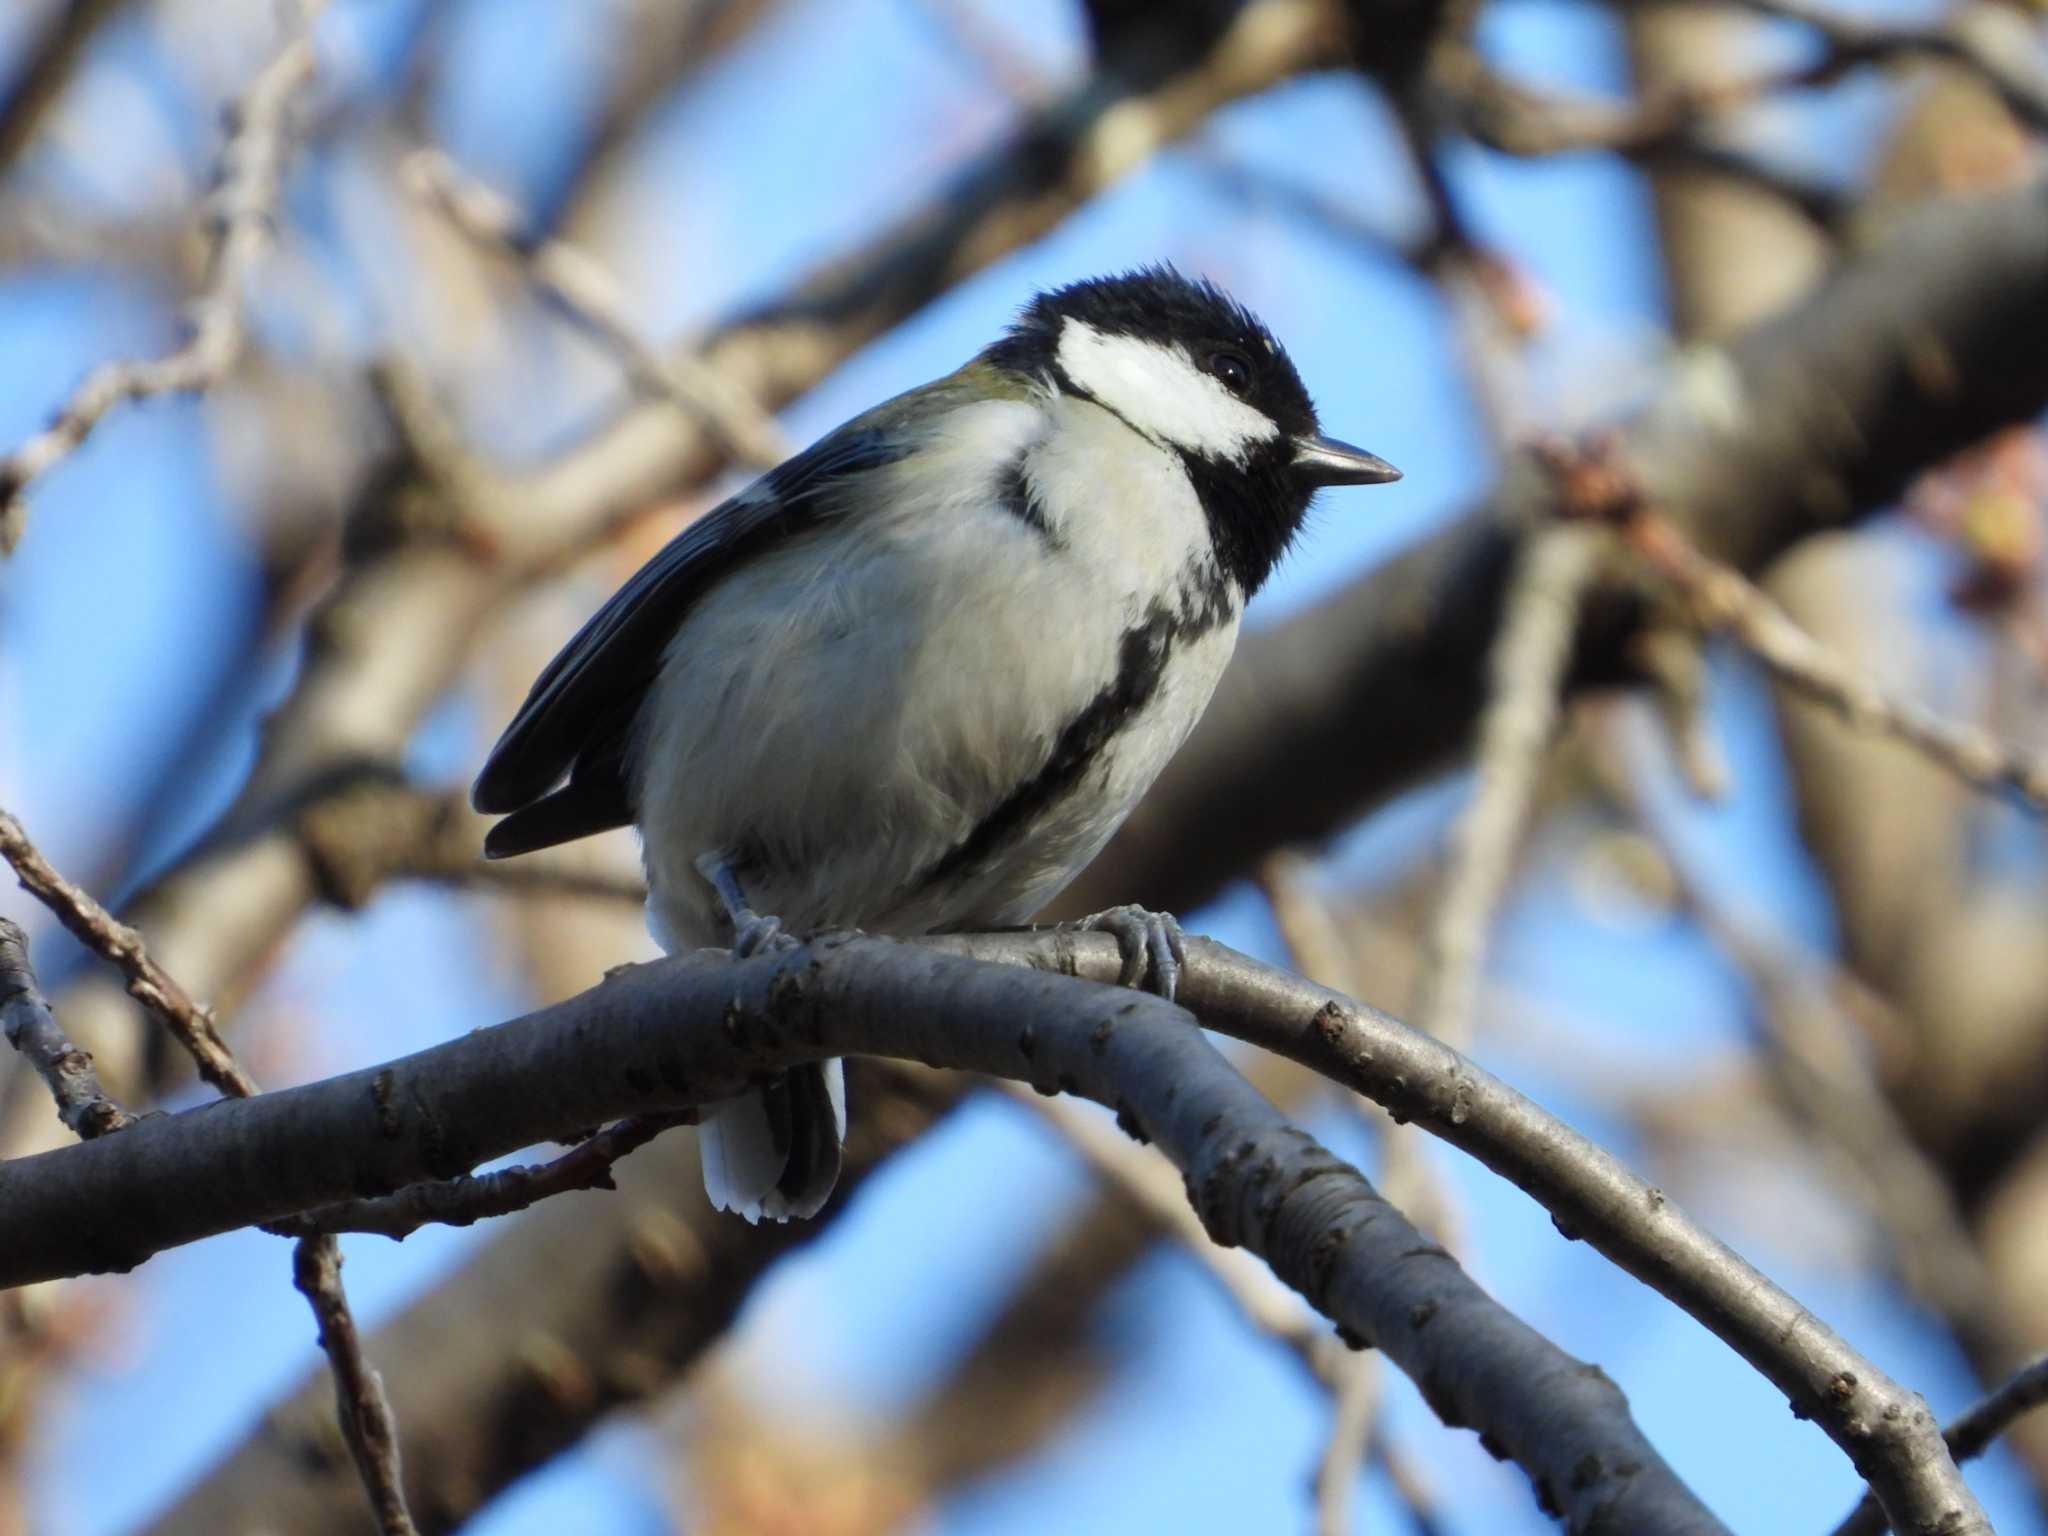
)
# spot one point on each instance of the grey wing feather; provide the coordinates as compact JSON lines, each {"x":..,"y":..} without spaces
{"x":578,"y":716}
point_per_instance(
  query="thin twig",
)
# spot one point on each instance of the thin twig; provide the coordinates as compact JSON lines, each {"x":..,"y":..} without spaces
{"x":359,"y":1401}
{"x":148,"y":983}
{"x":1354,"y":1411}
{"x":1527,"y":669}
{"x":474,"y":1197}
{"x":365,"y":1414}
{"x":586,"y":294}
{"x":242,"y":218}
{"x":31,"y":1028}
{"x":1969,"y":1436}
{"x":1722,"y":599}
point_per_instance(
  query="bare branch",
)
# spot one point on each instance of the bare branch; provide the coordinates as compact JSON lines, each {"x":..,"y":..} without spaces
{"x":693,"y":1029}
{"x":31,"y":1028}
{"x":366,"y":1416}
{"x":459,"y":1202}
{"x":148,"y":983}
{"x":580,"y":288}
{"x":1722,"y":599}
{"x":1969,"y":1436}
{"x":1886,"y":1431}
{"x":359,"y":1400}
{"x":242,"y":217}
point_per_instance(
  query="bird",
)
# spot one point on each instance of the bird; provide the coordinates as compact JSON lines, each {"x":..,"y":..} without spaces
{"x":912,"y":679}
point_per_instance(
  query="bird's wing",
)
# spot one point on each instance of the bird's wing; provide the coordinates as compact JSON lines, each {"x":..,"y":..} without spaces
{"x":577,"y":718}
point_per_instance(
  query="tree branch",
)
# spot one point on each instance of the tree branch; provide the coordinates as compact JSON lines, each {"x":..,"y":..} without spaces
{"x":579,"y":287}
{"x":121,"y":946}
{"x":682,"y":1031}
{"x":242,"y":217}
{"x":30,"y":1027}
{"x":1969,"y":1436}
{"x":359,"y":1400}
{"x":474,"y":1197}
{"x":1887,"y":1432}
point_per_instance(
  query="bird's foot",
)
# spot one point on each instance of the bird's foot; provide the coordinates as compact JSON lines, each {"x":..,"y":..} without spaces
{"x":752,"y":933}
{"x":1151,"y":943}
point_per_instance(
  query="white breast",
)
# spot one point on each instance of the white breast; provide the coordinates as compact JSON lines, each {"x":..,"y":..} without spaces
{"x":842,"y":713}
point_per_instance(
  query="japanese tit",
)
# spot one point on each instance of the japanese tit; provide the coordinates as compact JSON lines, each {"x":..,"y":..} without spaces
{"x":913,"y":678}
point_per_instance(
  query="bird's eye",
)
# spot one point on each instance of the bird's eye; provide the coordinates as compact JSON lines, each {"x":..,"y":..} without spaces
{"x":1232,"y":369}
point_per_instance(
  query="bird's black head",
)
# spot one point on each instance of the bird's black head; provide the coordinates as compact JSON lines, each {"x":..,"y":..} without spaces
{"x":1188,"y":367}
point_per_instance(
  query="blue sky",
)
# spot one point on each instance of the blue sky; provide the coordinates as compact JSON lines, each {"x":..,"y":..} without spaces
{"x":127,"y":599}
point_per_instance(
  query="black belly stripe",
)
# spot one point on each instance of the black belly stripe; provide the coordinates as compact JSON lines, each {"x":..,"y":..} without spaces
{"x":1015,"y":495}
{"x":1141,"y":663}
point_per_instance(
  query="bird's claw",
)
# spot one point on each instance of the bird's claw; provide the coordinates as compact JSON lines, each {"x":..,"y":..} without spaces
{"x":754,"y":934}
{"x":1153,"y":948}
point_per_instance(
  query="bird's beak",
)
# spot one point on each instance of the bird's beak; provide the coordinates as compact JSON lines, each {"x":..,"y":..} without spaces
{"x":1324,"y":461}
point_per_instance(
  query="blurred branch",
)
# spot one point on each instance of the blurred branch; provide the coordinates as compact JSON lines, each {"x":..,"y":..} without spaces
{"x":242,"y":217}
{"x":1354,"y":1410}
{"x":1853,"y":41}
{"x":1721,"y":599}
{"x":51,"y":60}
{"x":588,"y":296}
{"x":1969,"y":1436}
{"x":374,"y":828}
{"x":1528,"y":666}
{"x":359,"y":1401}
{"x":1817,"y":1062}
{"x":1664,"y":129}
{"x":690,"y":1030}
{"x":661,"y":47}
{"x":31,"y":1028}
{"x":121,"y":946}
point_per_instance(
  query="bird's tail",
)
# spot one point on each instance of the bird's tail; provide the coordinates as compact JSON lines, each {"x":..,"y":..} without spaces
{"x":774,"y":1151}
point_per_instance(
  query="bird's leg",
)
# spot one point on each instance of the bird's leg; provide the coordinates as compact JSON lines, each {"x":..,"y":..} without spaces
{"x":1151,"y":943}
{"x":751,"y":932}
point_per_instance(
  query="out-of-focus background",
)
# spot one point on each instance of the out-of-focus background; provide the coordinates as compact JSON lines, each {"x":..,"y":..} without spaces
{"x":1813,"y":1009}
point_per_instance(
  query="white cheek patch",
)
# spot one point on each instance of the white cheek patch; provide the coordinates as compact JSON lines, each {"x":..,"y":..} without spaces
{"x":1159,"y":390}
